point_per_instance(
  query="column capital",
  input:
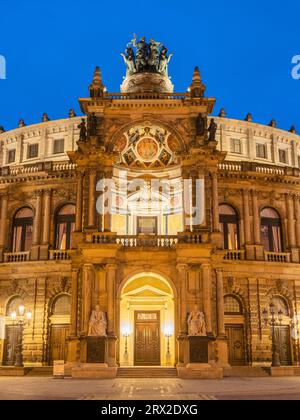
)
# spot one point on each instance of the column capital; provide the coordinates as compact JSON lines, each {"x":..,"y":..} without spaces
{"x":111,"y":267}
{"x":205,"y":265}
{"x":182,"y":266}
{"x":38,"y":193}
{"x":48,"y":191}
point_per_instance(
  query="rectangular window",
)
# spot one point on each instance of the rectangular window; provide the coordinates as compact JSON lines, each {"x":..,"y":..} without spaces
{"x":235,"y":146}
{"x":282,"y":156}
{"x":261,"y":151}
{"x":32,"y":151}
{"x":11,"y":156}
{"x":58,"y":146}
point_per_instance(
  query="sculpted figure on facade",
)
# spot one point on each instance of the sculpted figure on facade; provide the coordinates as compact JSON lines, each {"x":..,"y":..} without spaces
{"x":151,"y":57}
{"x":98,"y":323}
{"x":196,"y":323}
{"x":212,"y":130}
{"x":83,"y":130}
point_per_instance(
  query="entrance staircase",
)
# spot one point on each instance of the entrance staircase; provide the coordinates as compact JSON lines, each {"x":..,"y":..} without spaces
{"x":147,"y":372}
{"x":246,"y":372}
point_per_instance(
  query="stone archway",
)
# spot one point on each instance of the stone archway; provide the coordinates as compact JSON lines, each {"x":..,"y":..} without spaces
{"x":147,"y":321}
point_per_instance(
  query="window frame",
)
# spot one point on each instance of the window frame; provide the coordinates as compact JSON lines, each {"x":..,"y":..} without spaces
{"x":29,"y":147}
{"x":259,"y":147}
{"x":22,"y":222}
{"x":270,"y":223}
{"x":8,"y":160}
{"x":61,"y":219}
{"x":241,"y":307}
{"x":225,"y":220}
{"x":58,"y":141}
{"x":233,"y":143}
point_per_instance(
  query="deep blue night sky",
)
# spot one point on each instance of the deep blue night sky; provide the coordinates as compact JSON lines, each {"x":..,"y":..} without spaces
{"x":244,"y":50}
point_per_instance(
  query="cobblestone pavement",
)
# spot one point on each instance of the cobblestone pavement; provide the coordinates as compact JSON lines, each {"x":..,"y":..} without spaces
{"x":14,"y":388}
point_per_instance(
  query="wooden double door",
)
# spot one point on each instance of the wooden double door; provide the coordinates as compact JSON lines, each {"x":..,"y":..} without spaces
{"x":236,"y":345}
{"x":58,"y":342}
{"x":283,"y":341}
{"x":147,"y":338}
{"x":13,"y":338}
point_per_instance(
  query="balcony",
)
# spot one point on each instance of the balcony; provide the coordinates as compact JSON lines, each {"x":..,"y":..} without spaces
{"x":234,"y":255}
{"x":14,"y":257}
{"x":151,"y":241}
{"x":279,"y":257}
{"x":59,"y":255}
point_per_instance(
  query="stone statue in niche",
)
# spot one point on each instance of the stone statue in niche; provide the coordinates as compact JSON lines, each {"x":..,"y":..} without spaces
{"x":196,"y":323}
{"x":200,"y":125}
{"x":83,"y":131}
{"x":98,"y":323}
{"x":92,"y":124}
{"x":212,"y":130}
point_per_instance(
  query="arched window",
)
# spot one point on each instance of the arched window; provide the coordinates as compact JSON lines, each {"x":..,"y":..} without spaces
{"x":229,"y":224}
{"x":61,"y":305}
{"x":65,"y":225}
{"x":280,"y":304}
{"x":232,"y":306}
{"x":13,"y":305}
{"x":22,"y":230}
{"x":271,"y":234}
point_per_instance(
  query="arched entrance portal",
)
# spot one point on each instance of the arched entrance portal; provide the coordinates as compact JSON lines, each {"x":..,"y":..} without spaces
{"x":147,"y":322}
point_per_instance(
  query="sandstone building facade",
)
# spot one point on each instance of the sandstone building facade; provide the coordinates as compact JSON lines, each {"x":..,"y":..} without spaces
{"x":146,"y":268}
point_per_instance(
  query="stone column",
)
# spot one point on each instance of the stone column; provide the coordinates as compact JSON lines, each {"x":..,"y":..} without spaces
{"x":74,"y":302}
{"x":290,"y":221}
{"x":207,"y":295}
{"x":3,"y":224}
{"x":297,"y":214}
{"x":220,"y":303}
{"x":79,"y":198}
{"x":111,"y":280}
{"x":186,"y":208}
{"x":87,"y":287}
{"x":111,"y":315}
{"x":246,"y":217}
{"x":215,"y":203}
{"x":44,"y":248}
{"x":92,"y":198}
{"x":182,"y":274}
{"x":34,"y":254}
{"x":106,"y":210}
{"x":256,"y":219}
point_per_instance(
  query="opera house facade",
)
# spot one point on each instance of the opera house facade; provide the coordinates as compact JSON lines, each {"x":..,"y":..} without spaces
{"x":138,"y":215}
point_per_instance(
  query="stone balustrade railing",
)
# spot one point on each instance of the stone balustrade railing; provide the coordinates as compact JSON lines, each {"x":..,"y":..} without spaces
{"x":132,"y":241}
{"x":234,"y":255}
{"x":280,"y":257}
{"x":258,"y":168}
{"x":59,"y":255}
{"x":14,"y":257}
{"x":38,"y":167}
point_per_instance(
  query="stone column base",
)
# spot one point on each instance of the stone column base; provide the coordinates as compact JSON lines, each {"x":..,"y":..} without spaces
{"x":44,"y":252}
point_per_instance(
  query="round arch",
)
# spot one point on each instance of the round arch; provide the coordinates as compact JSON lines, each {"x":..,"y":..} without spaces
{"x":147,"y":319}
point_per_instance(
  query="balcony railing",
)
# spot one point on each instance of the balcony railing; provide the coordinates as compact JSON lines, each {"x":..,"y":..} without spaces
{"x":10,"y":257}
{"x":234,"y":255}
{"x":133,"y":241}
{"x":37,"y":167}
{"x":59,"y":255}
{"x":280,"y":257}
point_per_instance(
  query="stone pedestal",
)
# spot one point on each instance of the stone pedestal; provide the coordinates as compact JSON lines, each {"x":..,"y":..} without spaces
{"x":198,"y":349}
{"x":199,"y":357}
{"x":96,"y":350}
{"x":44,"y":252}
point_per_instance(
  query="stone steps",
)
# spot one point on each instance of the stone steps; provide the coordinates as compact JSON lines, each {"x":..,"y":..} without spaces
{"x":40,"y":371}
{"x":246,"y":371}
{"x":147,"y":372}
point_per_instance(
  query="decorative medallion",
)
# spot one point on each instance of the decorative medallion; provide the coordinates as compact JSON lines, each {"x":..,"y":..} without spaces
{"x":147,"y":146}
{"x":147,"y":149}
